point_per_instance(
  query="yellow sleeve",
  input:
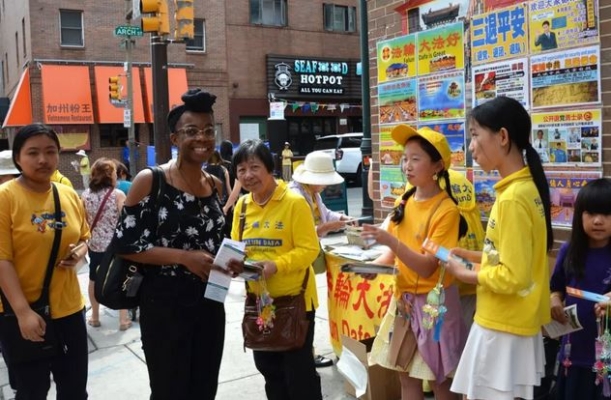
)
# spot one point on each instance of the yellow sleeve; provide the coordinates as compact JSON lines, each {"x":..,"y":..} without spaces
{"x":6,"y":244}
{"x":305,"y":240}
{"x":235,"y":225}
{"x":513,"y":272}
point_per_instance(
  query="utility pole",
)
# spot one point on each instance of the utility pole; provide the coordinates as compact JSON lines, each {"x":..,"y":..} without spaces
{"x":367,"y":210}
{"x":161,"y":102}
{"x":128,"y":116}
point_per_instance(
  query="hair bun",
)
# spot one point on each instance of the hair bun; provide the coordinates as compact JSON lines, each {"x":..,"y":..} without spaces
{"x":197,"y":100}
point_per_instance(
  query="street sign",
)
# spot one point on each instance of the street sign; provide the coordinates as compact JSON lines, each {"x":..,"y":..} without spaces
{"x":136,"y":9}
{"x":128,"y":30}
{"x":127,"y":117}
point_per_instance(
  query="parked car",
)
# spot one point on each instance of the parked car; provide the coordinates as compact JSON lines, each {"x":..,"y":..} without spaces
{"x":346,"y":150}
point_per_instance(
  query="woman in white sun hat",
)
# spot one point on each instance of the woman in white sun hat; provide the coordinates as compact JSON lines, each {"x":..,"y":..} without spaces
{"x":310,"y":179}
{"x":7,"y":168}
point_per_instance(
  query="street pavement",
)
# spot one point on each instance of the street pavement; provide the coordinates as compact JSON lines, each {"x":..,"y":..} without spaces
{"x":117,"y":369}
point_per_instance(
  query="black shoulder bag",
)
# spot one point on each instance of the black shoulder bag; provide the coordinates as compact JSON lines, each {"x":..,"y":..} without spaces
{"x":117,"y":280}
{"x":14,"y":346}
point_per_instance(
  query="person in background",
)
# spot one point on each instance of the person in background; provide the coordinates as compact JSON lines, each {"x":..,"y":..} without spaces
{"x":226,"y":150}
{"x":183,"y":332}
{"x":27,"y":226}
{"x":123,"y":177}
{"x":83,"y":168}
{"x":583,"y":262}
{"x":125,"y":154}
{"x":60,"y":178}
{"x":309,"y":180}
{"x":280,"y":235}
{"x":287,"y":162}
{"x":103,"y":204}
{"x":513,"y":297}
{"x":7,"y":168}
{"x":215,"y":168}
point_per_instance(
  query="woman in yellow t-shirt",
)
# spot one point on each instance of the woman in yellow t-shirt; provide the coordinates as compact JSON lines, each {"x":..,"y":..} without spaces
{"x":27,"y":228}
{"x":425,"y":211}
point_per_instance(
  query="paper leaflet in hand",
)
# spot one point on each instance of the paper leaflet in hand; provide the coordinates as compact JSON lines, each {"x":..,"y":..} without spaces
{"x":584,"y":294}
{"x":218,"y":281}
{"x":443,"y":254}
{"x":230,"y":249}
{"x":353,"y":370}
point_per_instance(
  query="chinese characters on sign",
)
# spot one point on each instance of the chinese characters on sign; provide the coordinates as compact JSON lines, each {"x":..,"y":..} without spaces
{"x":506,"y":78}
{"x":441,"y":49}
{"x":397,"y":101}
{"x":499,"y":34}
{"x":563,"y":188}
{"x":397,"y":58}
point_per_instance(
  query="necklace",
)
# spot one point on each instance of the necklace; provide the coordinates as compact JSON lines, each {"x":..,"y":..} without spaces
{"x":264,"y":202}
{"x":193,"y":192}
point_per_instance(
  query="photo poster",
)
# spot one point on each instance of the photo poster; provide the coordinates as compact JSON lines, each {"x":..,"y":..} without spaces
{"x":485,"y":195}
{"x":499,"y":34}
{"x":441,"y":96}
{"x":441,"y":49}
{"x":562,"y":23}
{"x":505,"y":78}
{"x":396,"y":58}
{"x":397,"y":101}
{"x":563,"y":188}
{"x":569,"y":138}
{"x":390,"y":152}
{"x":566,"y":78}
{"x":392,"y":185}
{"x":454,"y":131}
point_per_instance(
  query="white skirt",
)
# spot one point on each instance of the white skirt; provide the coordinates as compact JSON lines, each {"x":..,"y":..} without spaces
{"x":499,"y":366}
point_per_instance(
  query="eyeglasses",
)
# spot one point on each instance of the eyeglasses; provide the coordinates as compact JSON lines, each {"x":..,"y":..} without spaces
{"x":192,"y":132}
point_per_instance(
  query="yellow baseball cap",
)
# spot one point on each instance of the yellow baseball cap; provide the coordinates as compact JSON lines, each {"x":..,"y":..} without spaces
{"x":402,"y":133}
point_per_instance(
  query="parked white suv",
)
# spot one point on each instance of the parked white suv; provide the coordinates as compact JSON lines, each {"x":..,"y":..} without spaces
{"x":346,"y":150}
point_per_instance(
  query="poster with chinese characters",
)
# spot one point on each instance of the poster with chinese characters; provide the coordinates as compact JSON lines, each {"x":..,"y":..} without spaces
{"x":505,"y":78}
{"x":441,"y":49}
{"x":562,"y":23}
{"x":397,"y":101}
{"x":485,"y":195}
{"x":392,"y":185}
{"x":566,"y":78}
{"x":390,"y":152}
{"x":397,"y":58}
{"x":499,"y":34}
{"x":569,"y":138}
{"x":441,"y":96}
{"x":454,"y":131}
{"x":563,"y":188}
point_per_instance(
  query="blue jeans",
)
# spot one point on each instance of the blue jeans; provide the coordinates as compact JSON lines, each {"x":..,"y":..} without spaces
{"x":32,"y":379}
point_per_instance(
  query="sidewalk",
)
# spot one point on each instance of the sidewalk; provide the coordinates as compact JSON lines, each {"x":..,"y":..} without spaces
{"x":117,"y":369}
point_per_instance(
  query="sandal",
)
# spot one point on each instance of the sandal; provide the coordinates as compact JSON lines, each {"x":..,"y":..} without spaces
{"x":94,"y":323}
{"x":125,"y":325}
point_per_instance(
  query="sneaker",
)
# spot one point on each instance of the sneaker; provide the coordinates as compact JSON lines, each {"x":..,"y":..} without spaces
{"x":322,"y":361}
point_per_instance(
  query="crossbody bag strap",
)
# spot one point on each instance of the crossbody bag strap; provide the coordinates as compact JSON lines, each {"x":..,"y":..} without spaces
{"x":242,"y":219}
{"x":305,"y":280}
{"x":100,"y":209}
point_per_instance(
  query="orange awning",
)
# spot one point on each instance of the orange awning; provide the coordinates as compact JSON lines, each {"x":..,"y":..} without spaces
{"x":177,"y":86}
{"x":66,"y":95}
{"x":109,"y":113}
{"x":20,"y":111}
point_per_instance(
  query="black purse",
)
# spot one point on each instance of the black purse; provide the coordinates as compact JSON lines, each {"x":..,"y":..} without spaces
{"x":17,"y":349}
{"x":118,"y":280}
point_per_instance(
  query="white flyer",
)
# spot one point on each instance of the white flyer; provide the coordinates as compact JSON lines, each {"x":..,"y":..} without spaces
{"x":555,"y":329}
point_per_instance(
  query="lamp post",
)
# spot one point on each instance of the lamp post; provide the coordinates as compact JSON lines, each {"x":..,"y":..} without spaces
{"x":367,"y":210}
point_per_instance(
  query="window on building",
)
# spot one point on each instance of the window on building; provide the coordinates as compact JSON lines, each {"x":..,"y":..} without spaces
{"x":413,"y":20}
{"x":198,"y":43}
{"x":17,"y":49}
{"x":114,"y":135}
{"x":71,"y":26}
{"x":23,"y":36}
{"x":339,"y":18}
{"x":268,"y":12}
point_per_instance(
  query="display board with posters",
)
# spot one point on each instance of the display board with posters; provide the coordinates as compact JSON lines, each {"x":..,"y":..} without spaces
{"x":505,"y":78}
{"x":485,"y":195}
{"x":441,"y":96}
{"x":499,"y":34}
{"x":566,"y":138}
{"x":566,"y":78}
{"x":397,"y":58}
{"x":392,"y":184}
{"x":454,"y":131}
{"x":563,"y":188}
{"x":397,"y":101}
{"x":441,"y":49}
{"x":562,"y":23}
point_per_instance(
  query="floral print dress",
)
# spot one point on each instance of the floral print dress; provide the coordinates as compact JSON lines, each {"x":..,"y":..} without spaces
{"x":182,"y":222}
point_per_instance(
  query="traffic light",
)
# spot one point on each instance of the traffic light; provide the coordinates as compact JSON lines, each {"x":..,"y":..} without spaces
{"x":114,"y":89}
{"x":184,"y":19}
{"x":159,"y":22}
